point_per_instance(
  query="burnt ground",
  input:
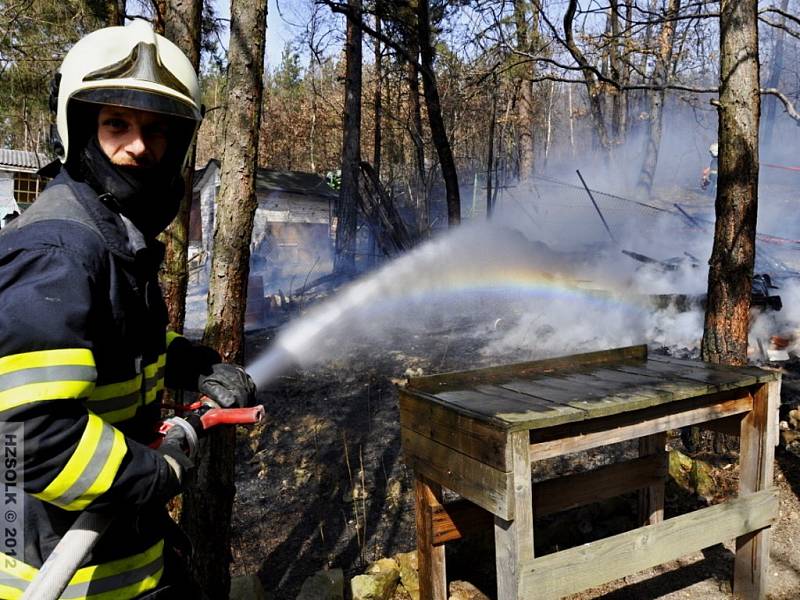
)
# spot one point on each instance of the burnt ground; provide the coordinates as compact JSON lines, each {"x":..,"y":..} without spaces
{"x":322,"y":484}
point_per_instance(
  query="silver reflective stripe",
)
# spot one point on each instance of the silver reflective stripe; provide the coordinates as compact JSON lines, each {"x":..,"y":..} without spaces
{"x":11,"y":580}
{"x":104,"y":406}
{"x":92,"y":470}
{"x":114,"y":582}
{"x":151,"y":382}
{"x":46,"y":375}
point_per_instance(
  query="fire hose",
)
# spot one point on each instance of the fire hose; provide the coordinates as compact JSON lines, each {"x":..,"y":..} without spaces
{"x":65,"y":559}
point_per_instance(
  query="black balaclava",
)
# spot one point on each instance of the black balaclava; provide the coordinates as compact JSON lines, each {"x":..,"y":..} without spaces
{"x":150,"y":197}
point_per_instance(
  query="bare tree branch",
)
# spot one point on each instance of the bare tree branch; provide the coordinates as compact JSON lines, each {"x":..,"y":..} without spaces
{"x":787,"y":104}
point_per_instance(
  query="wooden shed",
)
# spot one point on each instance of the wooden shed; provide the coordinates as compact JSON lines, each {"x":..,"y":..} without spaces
{"x":292,"y":221}
{"x":19,"y":183}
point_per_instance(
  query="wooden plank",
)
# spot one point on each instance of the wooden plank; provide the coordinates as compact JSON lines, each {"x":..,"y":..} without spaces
{"x":540,"y":412}
{"x":728,"y":426}
{"x":601,"y":402}
{"x":611,"y":374}
{"x":761,"y":375}
{"x":459,"y":431}
{"x":551,"y":389}
{"x":717,"y":380}
{"x":651,"y":498}
{"x":604,"y":435}
{"x":489,"y":419}
{"x":485,"y":486}
{"x":586,"y":402}
{"x":513,"y":539}
{"x":756,"y":457}
{"x":508,"y":406}
{"x":431,"y":560}
{"x":458,"y":519}
{"x":570,"y":571}
{"x":459,"y":379}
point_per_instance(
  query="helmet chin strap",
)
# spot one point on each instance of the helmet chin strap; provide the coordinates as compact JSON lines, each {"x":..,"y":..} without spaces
{"x":149,"y":197}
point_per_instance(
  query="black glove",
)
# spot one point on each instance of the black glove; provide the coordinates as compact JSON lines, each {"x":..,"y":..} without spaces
{"x":228,"y":385}
{"x":179,"y":447}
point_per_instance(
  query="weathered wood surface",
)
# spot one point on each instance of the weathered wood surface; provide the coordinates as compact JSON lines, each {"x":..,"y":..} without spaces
{"x":551,"y":392}
{"x":460,"y":379}
{"x":756,"y":454}
{"x":570,"y":571}
{"x":456,"y":430}
{"x":485,"y":486}
{"x":513,"y":539}
{"x":651,"y":497}
{"x":459,"y":519}
{"x":602,"y":436}
{"x":431,"y":562}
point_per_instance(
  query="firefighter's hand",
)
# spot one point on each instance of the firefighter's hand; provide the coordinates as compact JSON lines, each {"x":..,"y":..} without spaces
{"x":228,"y":385}
{"x":178,"y":448}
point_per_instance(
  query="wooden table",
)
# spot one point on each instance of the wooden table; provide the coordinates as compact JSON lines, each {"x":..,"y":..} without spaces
{"x":477,"y":432}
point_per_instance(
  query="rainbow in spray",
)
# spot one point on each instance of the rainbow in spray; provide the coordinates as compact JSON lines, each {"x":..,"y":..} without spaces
{"x":466,"y":262}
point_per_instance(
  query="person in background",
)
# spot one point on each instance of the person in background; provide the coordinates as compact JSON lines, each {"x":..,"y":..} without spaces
{"x":709,"y":180}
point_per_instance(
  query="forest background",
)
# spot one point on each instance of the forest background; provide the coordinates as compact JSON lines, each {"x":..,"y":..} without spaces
{"x":450,"y":101}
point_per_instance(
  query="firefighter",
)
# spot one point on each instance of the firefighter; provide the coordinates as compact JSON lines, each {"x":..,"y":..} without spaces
{"x":709,"y":181}
{"x":84,"y":349}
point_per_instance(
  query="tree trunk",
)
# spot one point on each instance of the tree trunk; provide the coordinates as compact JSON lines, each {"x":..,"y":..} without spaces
{"x":207,"y":505}
{"x":435,"y":120}
{"x":115,"y":12}
{"x":660,"y":77}
{"x":378,"y":107}
{"x":347,"y":208}
{"x":412,"y":78}
{"x":527,"y":41}
{"x":490,"y":158}
{"x":732,"y":258}
{"x":616,"y":67}
{"x":593,"y":87}
{"x":183,"y":28}
{"x":770,"y":102}
{"x":159,"y":20}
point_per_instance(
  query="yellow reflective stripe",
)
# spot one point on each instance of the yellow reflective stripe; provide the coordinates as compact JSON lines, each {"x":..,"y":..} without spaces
{"x":107,"y":473}
{"x":154,"y":379}
{"x":118,"y":566}
{"x":115,"y":416}
{"x":172,"y":336}
{"x":110,"y":581}
{"x":114,"y":390}
{"x":77,"y":462}
{"x":80,"y":465}
{"x":116,"y":402}
{"x":45,"y":375}
{"x":129,"y":592}
{"x":14,"y":567}
{"x":46,"y":358}
{"x":151,"y":369}
{"x":151,"y":396}
{"x":10,"y":593}
{"x":51,"y":390}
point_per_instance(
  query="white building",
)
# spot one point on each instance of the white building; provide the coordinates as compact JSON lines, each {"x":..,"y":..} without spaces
{"x":19,"y":183}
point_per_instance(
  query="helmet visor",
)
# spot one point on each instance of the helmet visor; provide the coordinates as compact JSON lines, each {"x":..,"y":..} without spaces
{"x":141,"y":100}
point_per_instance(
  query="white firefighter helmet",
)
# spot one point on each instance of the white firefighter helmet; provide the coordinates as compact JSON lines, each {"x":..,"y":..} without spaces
{"x":713,"y":150}
{"x":132,"y":67}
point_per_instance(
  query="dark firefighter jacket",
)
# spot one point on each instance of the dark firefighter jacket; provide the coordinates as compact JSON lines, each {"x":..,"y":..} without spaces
{"x":84,"y":355}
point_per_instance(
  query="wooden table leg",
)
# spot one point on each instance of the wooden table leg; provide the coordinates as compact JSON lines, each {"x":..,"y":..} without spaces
{"x":430,"y":558}
{"x":514,"y":538}
{"x":651,"y":498}
{"x":756,"y":455}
